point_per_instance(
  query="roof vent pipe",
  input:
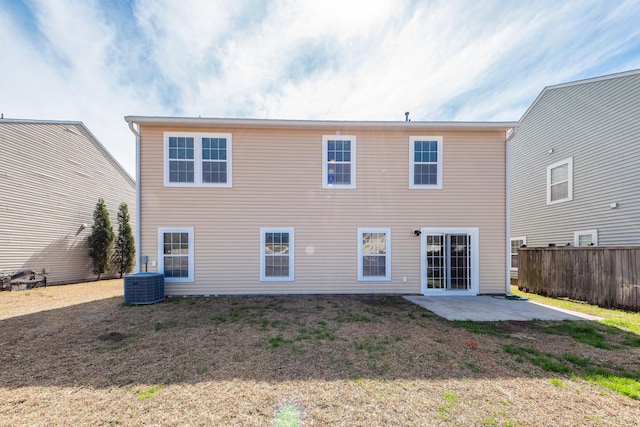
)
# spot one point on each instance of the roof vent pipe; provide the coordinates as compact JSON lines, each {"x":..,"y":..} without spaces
{"x":406,"y":117}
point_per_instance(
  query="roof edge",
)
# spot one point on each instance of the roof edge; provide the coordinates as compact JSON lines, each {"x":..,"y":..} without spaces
{"x":92,"y":137}
{"x":577,"y":83}
{"x":108,"y":154}
{"x":595,"y":79}
{"x":279,"y":123}
{"x":46,"y":122}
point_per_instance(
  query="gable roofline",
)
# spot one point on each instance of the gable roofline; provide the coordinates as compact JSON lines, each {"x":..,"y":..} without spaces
{"x":318,"y":124}
{"x":577,"y":83}
{"x":92,"y":138}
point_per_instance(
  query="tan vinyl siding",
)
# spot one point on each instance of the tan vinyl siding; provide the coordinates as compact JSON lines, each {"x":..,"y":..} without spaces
{"x":277,"y":182}
{"x":597,"y":124}
{"x":52,"y":176}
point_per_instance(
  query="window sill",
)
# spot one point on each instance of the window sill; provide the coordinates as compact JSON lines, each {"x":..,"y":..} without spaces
{"x":180,"y":184}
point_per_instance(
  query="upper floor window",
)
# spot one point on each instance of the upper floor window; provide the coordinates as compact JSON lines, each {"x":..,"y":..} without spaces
{"x":516,"y":243}
{"x":197,"y":159}
{"x":425,"y":164}
{"x":214,"y":160}
{"x":560,"y":181}
{"x":585,"y":238}
{"x":181,"y":159}
{"x":374,"y":254}
{"x":338,"y":161}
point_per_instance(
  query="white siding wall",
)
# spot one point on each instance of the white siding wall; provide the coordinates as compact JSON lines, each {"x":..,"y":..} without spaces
{"x":277,"y":182}
{"x":598,"y":124}
{"x":51,"y":177}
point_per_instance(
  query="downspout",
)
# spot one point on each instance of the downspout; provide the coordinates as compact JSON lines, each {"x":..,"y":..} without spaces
{"x":138,"y":207}
{"x":509,"y":137}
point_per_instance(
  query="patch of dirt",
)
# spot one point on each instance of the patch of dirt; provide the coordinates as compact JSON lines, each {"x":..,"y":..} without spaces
{"x":111,"y":336}
{"x":343,"y":361}
{"x":382,"y":301}
{"x":519,"y":324}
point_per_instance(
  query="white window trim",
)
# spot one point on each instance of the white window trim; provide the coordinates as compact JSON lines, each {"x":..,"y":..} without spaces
{"x":325,"y":160}
{"x":440,"y":163}
{"x":569,"y":162}
{"x":290,"y":230}
{"x":387,"y":277}
{"x":197,"y":168}
{"x":474,"y":232}
{"x":189,"y":231}
{"x":524,"y":242}
{"x":593,"y":233}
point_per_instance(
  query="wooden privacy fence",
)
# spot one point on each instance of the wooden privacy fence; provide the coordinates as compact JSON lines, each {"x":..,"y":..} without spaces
{"x":604,"y":276}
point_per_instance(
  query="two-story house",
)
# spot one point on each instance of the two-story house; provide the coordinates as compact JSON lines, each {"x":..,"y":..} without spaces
{"x":575,"y":166}
{"x":53,"y":173}
{"x":243,"y":206}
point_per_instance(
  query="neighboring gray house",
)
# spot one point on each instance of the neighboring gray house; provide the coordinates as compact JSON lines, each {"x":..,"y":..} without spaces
{"x":575,"y":166}
{"x":51,"y":177}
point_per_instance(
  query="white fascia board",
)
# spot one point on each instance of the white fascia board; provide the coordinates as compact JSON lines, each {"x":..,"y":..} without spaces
{"x":320,"y":124}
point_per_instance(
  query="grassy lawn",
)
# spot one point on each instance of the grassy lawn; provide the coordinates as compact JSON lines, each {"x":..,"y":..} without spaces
{"x":625,"y":320}
{"x":306,"y":360}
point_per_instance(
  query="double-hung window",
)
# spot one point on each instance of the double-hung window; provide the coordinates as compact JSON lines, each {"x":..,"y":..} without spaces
{"x":176,"y":254}
{"x":214,"y":160}
{"x":560,"y":181}
{"x":374,"y":254}
{"x":516,"y":243}
{"x":197,"y":159}
{"x":181,"y":159}
{"x":338,"y":161}
{"x":425,"y":163}
{"x":276,"y":254}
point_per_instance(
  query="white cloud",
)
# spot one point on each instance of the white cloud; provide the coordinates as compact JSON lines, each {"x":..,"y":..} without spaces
{"x":97,"y":61}
{"x":71,"y":71}
{"x":419,"y":64}
{"x":557,"y":44}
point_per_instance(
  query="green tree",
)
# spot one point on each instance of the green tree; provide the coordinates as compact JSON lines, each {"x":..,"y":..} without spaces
{"x":100,"y":239}
{"x":125,"y":250}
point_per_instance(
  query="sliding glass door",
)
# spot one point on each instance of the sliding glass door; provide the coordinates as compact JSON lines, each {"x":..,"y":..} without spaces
{"x":448,"y":260}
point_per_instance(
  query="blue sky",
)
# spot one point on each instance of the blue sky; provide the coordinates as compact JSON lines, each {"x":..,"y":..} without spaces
{"x":467,"y":60}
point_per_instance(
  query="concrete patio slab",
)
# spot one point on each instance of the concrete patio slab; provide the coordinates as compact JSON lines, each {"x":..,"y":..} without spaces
{"x":489,"y":308}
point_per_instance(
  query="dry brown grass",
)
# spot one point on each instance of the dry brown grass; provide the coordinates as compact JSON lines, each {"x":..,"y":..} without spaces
{"x":76,"y":355}
{"x":19,"y":303}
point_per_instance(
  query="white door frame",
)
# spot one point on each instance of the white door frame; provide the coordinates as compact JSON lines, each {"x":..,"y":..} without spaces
{"x":473,"y":232}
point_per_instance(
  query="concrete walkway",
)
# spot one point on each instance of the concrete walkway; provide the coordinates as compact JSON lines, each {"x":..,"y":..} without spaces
{"x":488,"y":308}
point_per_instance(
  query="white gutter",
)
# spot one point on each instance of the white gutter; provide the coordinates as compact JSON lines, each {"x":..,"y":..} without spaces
{"x":317,"y":124}
{"x":509,"y":136}
{"x":138,"y":207}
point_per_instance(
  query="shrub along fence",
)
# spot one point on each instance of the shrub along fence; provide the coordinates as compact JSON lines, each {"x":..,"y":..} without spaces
{"x":604,"y":276}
